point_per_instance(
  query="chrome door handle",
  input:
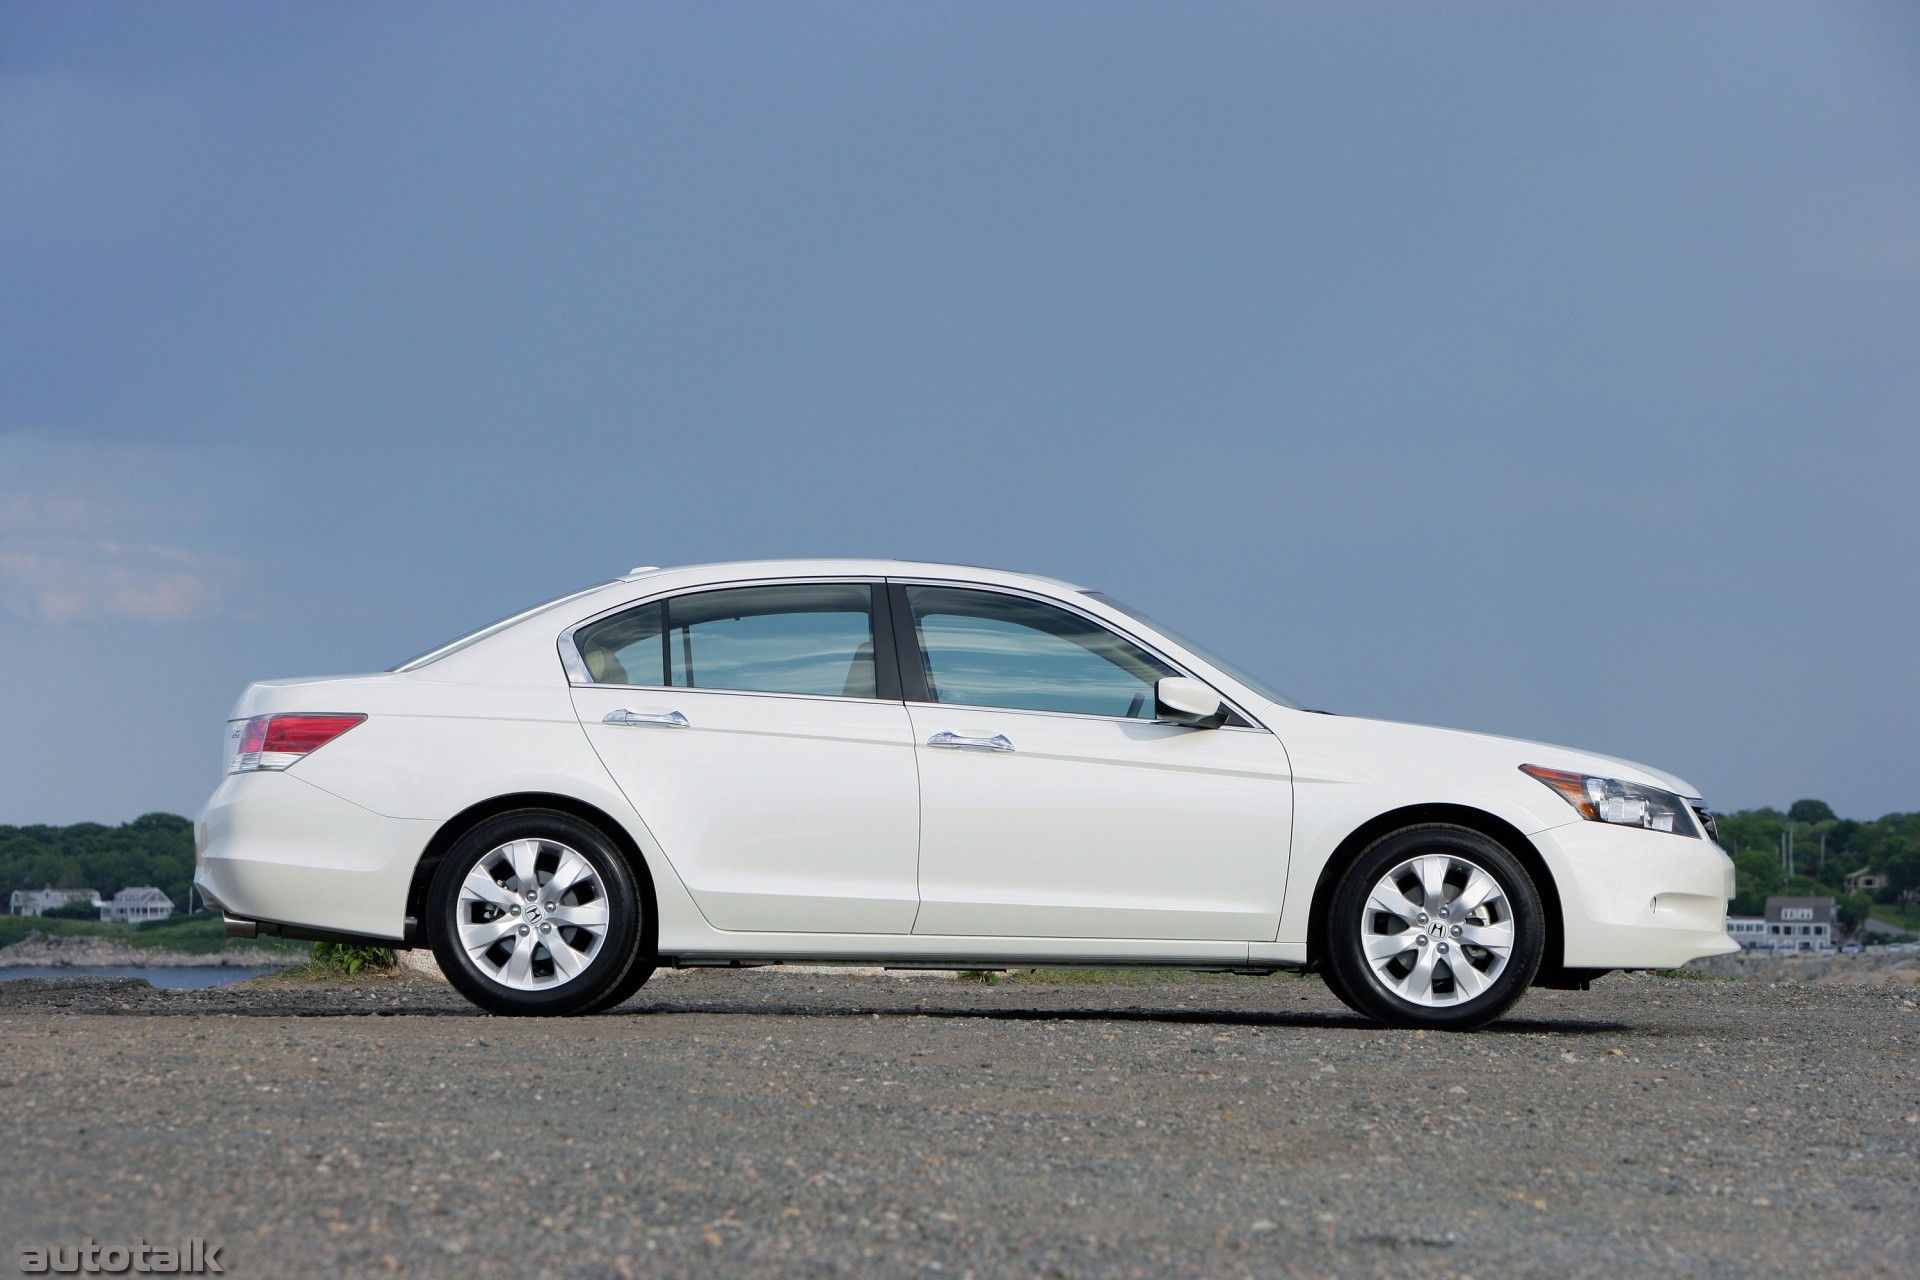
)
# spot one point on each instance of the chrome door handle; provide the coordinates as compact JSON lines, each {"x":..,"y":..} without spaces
{"x":998,"y":742}
{"x":666,"y":719}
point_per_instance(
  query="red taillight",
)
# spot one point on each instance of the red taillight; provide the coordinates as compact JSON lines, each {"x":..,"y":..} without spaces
{"x":274,"y":742}
{"x":300,"y":734}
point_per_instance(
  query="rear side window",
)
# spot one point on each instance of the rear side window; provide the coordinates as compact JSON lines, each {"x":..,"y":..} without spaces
{"x":811,"y":638}
{"x":984,"y":649}
{"x":624,"y":649}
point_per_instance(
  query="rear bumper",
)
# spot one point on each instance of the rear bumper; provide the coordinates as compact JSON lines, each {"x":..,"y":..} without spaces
{"x":1633,"y":899}
{"x":296,"y":861}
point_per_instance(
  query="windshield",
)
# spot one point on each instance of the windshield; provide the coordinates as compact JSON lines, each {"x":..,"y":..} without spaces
{"x":455,"y":646}
{"x":1200,"y":651}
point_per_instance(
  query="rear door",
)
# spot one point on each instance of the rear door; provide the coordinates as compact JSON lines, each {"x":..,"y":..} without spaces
{"x":1053,"y":804}
{"x":759,"y":733}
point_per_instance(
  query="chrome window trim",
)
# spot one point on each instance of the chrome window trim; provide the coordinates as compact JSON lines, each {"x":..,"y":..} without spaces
{"x":577,"y":674}
{"x":1086,"y":715}
{"x":677,"y":690}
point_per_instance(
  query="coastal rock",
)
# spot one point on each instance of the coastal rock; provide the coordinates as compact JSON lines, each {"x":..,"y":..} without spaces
{"x":37,"y":950}
{"x":1876,"y":969}
{"x":420,"y":960}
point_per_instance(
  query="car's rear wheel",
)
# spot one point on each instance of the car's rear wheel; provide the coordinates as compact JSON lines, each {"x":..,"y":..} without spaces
{"x":1436,"y":927}
{"x":536,"y":912}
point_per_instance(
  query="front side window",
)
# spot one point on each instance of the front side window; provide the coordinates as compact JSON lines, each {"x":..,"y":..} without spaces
{"x":812,"y":638}
{"x":1239,"y":673}
{"x":985,"y":649}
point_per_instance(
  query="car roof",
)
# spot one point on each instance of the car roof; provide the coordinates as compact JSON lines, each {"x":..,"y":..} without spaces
{"x":728,"y":570}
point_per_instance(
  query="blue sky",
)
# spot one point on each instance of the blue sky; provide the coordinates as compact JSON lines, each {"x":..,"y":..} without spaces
{"x":1546,"y":370}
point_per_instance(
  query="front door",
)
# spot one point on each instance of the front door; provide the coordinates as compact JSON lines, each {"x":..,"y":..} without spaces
{"x":1053,"y":804}
{"x":744,"y":726}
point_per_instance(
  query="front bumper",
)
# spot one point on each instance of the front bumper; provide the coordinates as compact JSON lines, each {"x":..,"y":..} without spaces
{"x":1633,"y":899}
{"x":274,"y":849}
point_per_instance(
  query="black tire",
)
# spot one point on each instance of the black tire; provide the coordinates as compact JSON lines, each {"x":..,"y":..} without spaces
{"x":613,"y":962}
{"x":1332,"y":978}
{"x":625,"y":989}
{"x":1351,"y":921}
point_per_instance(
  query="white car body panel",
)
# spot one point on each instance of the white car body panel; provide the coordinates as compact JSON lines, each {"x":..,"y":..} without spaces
{"x":1171,"y":832}
{"x":1654,"y":904}
{"x":275,"y":847}
{"x":426,"y":750}
{"x":783,"y":813}
{"x":1186,"y":846}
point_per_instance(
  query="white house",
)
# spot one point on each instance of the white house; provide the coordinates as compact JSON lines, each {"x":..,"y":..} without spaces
{"x":1801,"y":925}
{"x":33,"y":902}
{"x":137,"y":904}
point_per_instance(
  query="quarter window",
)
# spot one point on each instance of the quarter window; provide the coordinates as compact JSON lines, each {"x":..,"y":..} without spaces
{"x":805,"y":638}
{"x":624,"y":649}
{"x":985,"y":649}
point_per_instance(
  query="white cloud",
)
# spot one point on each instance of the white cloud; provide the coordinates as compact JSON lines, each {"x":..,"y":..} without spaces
{"x":71,"y":550}
{"x":75,"y":580}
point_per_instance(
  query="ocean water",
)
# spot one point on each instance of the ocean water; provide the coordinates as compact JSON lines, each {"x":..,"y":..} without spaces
{"x":183,"y":976}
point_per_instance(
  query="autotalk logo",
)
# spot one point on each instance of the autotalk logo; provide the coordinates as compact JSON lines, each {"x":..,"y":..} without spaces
{"x":192,"y":1256}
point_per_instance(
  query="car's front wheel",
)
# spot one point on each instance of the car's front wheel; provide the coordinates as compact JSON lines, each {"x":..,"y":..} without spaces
{"x":536,"y":912}
{"x":1434,"y":926}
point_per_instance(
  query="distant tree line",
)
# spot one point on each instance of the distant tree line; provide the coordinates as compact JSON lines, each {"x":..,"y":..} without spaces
{"x":1826,"y":849}
{"x":155,"y":849}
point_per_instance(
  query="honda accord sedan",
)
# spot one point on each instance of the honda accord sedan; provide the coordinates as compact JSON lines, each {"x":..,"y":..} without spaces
{"x":923,"y":765}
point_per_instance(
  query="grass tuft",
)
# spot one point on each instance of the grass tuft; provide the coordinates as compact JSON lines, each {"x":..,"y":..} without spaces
{"x":348,"y":961}
{"x":332,"y":961}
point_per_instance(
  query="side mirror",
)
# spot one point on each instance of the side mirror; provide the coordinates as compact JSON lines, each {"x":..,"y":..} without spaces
{"x":1182,"y":700}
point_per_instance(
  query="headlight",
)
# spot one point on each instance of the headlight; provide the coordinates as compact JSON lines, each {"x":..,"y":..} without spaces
{"x":1626,"y":804}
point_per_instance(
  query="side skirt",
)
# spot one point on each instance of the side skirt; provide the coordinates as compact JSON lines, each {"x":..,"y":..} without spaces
{"x":968,"y":963}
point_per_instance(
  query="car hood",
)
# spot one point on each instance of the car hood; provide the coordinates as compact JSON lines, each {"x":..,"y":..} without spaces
{"x":1494,"y":749}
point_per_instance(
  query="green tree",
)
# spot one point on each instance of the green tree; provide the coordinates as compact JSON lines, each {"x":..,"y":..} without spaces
{"x":1753,"y":837}
{"x":1811,"y":811}
{"x":155,"y":849}
{"x":1757,"y":876}
{"x":1752,"y":830}
{"x":1852,"y":911}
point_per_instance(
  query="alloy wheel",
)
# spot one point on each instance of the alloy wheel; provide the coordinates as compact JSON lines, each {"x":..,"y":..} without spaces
{"x":532,"y":914}
{"x":1437,"y":930}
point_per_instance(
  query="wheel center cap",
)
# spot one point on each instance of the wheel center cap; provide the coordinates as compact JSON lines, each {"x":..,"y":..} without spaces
{"x":1438,"y":929}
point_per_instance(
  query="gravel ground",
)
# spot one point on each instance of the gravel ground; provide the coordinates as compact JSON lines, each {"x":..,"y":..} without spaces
{"x":772,"y":1123}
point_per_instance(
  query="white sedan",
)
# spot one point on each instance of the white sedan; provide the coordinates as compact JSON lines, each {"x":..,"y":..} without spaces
{"x":878,"y":762}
